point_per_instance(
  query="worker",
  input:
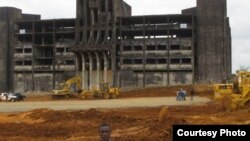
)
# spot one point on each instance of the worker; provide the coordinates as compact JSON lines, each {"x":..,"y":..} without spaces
{"x":191,"y":94}
{"x":105,"y":131}
{"x":181,"y":95}
{"x":178,"y":95}
{"x":184,"y":93}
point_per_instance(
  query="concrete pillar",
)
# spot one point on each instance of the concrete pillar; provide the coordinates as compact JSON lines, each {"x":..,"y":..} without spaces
{"x":8,"y":16}
{"x":98,"y":69}
{"x":90,"y":70}
{"x":105,"y":76}
{"x":77,"y":57}
{"x":84,"y":72}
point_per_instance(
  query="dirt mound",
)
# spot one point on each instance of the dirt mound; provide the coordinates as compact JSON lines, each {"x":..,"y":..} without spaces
{"x":135,"y":124}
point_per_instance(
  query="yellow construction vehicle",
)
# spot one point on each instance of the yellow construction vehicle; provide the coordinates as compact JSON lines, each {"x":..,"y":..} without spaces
{"x":236,"y":95}
{"x":105,"y":92}
{"x":69,"y":88}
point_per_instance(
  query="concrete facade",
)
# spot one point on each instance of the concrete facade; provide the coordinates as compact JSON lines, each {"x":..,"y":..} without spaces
{"x":42,"y":59}
{"x":213,"y":41}
{"x":105,"y":43}
{"x":8,"y":16}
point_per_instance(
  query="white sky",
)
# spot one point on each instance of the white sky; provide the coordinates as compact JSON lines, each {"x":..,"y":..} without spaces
{"x":237,"y":12}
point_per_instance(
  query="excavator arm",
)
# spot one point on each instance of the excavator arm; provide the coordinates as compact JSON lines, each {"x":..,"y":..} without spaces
{"x":71,"y":86}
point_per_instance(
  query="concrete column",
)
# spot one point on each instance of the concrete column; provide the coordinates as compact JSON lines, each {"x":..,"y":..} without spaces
{"x":90,"y":70}
{"x":92,"y":21}
{"x":105,"y":76}
{"x":77,"y":68}
{"x":78,"y":17}
{"x":84,"y":72}
{"x":98,"y":69}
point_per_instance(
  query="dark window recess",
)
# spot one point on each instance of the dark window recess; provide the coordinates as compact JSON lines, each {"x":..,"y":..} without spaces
{"x":60,"y":50}
{"x":19,"y":63}
{"x":151,"y":61}
{"x":19,"y":50}
{"x":151,"y":47}
{"x":175,"y":61}
{"x":48,"y":53}
{"x":137,"y":48}
{"x":188,"y":48}
{"x":27,"y":63}
{"x":162,"y":61}
{"x":175,"y":47}
{"x":186,"y":61}
{"x":162,"y":47}
{"x":127,"y":61}
{"x":45,"y":62}
{"x":27,"y":50}
{"x":138,"y":61}
{"x":103,"y":5}
{"x":70,"y":62}
{"x":127,"y":48}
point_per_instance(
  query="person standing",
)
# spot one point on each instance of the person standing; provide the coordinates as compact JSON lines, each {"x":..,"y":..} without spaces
{"x":105,"y":132}
{"x":184,"y":94}
{"x":191,"y":94}
{"x":177,"y":95}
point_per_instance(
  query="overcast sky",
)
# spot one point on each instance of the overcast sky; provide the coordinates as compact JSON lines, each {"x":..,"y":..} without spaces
{"x":237,"y":12}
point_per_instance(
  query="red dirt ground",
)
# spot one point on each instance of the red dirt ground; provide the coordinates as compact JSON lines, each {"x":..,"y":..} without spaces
{"x":136,"y":124}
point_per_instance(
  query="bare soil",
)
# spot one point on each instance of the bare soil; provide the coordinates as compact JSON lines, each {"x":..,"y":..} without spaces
{"x":133,"y":124}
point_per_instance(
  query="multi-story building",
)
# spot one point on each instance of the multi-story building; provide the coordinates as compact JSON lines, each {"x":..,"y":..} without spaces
{"x":105,"y":43}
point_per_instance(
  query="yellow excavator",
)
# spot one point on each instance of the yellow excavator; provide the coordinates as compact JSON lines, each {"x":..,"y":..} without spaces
{"x":69,"y":88}
{"x":236,"y":95}
{"x":105,"y":92}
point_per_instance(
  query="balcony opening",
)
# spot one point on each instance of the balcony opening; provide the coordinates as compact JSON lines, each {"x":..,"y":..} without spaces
{"x":27,"y":50}
{"x":175,"y":47}
{"x":27,"y":63}
{"x":186,"y":60}
{"x":127,"y":48}
{"x":162,"y":61}
{"x":19,"y":50}
{"x":175,"y":61}
{"x":162,"y":47}
{"x":138,"y":61}
{"x":19,"y":63}
{"x":151,"y":47}
{"x":127,"y":61}
{"x":137,"y":48}
{"x":151,"y":61}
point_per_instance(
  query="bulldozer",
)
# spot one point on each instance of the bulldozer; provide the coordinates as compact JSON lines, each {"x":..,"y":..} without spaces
{"x":234,"y":95}
{"x":69,"y":88}
{"x":105,"y":92}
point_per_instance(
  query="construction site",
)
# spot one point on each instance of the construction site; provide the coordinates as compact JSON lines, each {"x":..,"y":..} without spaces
{"x":140,"y":74}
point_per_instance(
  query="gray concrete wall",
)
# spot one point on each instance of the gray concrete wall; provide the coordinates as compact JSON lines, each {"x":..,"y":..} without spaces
{"x":189,"y":11}
{"x":179,"y":78}
{"x":130,"y":79}
{"x":23,"y":82}
{"x":8,"y":16}
{"x":3,"y":46}
{"x":29,"y":17}
{"x":212,"y":56}
{"x":43,"y":82}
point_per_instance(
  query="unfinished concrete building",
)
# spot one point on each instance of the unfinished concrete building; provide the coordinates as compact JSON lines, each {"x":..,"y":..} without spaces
{"x":105,"y":43}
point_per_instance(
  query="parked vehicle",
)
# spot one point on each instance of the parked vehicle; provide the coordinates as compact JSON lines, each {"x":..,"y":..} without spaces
{"x":12,"y":96}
